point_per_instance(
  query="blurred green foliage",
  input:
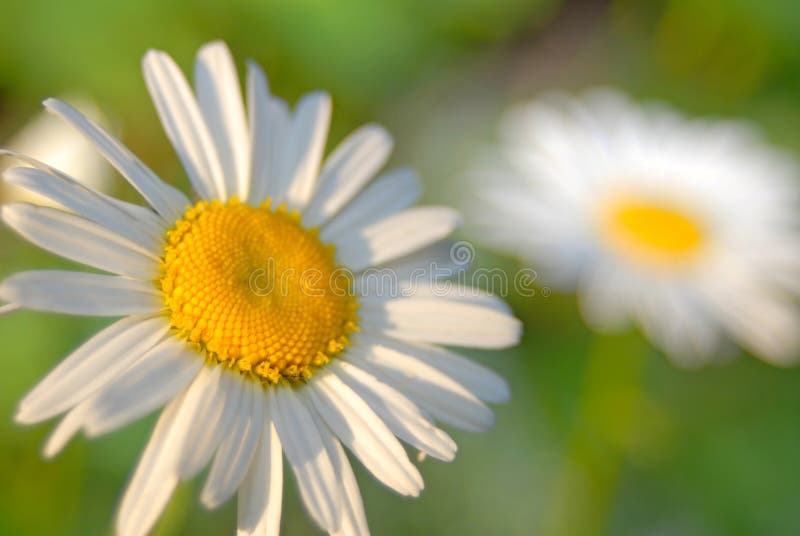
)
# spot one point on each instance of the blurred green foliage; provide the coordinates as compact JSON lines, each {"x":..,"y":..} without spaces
{"x":604,"y":435}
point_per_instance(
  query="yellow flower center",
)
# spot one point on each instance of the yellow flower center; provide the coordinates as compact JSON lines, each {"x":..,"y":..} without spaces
{"x":254,"y":290}
{"x":659,"y":234}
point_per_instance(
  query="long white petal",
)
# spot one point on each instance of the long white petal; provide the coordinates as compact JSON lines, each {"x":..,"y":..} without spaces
{"x":263,"y":133}
{"x":479,"y":380}
{"x":152,"y":381}
{"x":673,"y":318}
{"x":395,"y":236}
{"x":80,"y":240}
{"x":424,"y":285}
{"x":168,"y":201}
{"x":277,"y":179}
{"x":65,"y":430}
{"x":184,"y":124}
{"x":390,"y":193}
{"x":305,"y":144}
{"x":138,"y":216}
{"x":606,"y":297}
{"x":354,"y":519}
{"x":311,"y":465}
{"x":764,"y":324}
{"x":441,"y":396}
{"x":145,"y":217}
{"x":138,"y":224}
{"x":441,"y":321}
{"x":80,"y":293}
{"x":351,"y":165}
{"x":98,"y":361}
{"x":436,"y":265}
{"x":402,"y":416}
{"x":220,"y":98}
{"x":237,"y":448}
{"x":217,"y":403}
{"x":261,"y":493}
{"x":154,"y":480}
{"x":364,"y":433}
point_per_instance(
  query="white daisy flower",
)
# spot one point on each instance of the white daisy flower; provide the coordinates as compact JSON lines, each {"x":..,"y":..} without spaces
{"x":688,"y":228}
{"x":242,"y":311}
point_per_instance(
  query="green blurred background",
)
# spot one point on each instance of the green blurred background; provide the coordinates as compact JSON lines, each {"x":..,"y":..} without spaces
{"x":603,"y":435}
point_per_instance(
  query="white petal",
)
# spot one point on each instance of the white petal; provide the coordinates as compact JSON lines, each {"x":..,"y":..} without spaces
{"x":217,"y":403}
{"x":305,"y":143}
{"x":605,"y":297}
{"x":402,"y":416}
{"x":390,"y":193}
{"x":145,"y":218}
{"x":159,"y":376}
{"x":764,"y":324}
{"x":275,"y":180}
{"x":184,"y":124}
{"x":66,"y":430}
{"x":354,"y":520}
{"x":434,"y":265}
{"x":423,"y":285}
{"x":141,"y":217}
{"x":444,"y":398}
{"x":80,"y":240}
{"x":675,"y":319}
{"x":262,"y":133}
{"x":463,"y":294}
{"x":97,"y":362}
{"x":138,"y":224}
{"x":313,"y":471}
{"x":261,"y":493}
{"x":479,"y":380}
{"x":445,"y":258}
{"x":395,"y":236}
{"x":751,"y":309}
{"x":150,"y":382}
{"x":220,"y":98}
{"x":80,"y":293}
{"x":351,"y":165}
{"x":441,"y":321}
{"x":364,"y":433}
{"x":154,"y":480}
{"x":237,"y":448}
{"x":168,"y":201}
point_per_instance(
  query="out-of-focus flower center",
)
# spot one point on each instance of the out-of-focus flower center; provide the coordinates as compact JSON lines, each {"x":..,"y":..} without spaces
{"x":661,"y":234}
{"x":256,"y":291}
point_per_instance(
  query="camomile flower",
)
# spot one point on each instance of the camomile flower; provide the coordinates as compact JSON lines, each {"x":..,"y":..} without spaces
{"x":688,"y":228}
{"x":246,"y":311}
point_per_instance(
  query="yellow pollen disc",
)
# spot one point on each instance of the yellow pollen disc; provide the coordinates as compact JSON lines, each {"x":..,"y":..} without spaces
{"x":663,"y":235}
{"x":256,"y":291}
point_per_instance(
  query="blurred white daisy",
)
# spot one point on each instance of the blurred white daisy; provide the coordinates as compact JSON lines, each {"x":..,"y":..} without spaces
{"x":239,"y":315}
{"x":52,"y":141}
{"x":688,"y":228}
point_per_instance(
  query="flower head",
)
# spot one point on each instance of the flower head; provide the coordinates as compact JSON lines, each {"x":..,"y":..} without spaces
{"x":688,"y":228}
{"x":247,"y":311}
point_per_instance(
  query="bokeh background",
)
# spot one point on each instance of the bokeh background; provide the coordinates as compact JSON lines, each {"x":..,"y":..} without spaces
{"x":603,"y":435}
